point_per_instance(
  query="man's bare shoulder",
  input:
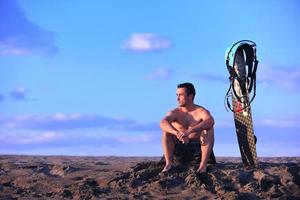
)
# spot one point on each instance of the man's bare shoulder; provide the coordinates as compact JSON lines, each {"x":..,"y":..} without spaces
{"x":174,"y":112}
{"x":172,"y":115}
{"x":200,"y":110}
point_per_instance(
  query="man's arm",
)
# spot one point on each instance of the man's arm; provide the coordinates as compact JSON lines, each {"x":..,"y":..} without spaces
{"x":166,"y":123}
{"x":207,"y":122}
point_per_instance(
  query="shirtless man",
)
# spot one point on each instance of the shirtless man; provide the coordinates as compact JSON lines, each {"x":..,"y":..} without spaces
{"x":187,"y":122}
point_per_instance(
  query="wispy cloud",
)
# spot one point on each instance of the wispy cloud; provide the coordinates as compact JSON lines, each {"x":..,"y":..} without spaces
{"x":61,"y":121}
{"x":159,"y":74}
{"x":134,"y":127}
{"x":211,"y":77}
{"x":75,"y":143}
{"x":291,"y":121}
{"x":145,"y":42}
{"x":19,"y":36}
{"x":286,"y":78}
{"x":29,"y":137}
{"x":19,"y":94}
{"x":282,"y":77}
{"x":283,"y":122}
{"x":22,"y":138}
{"x":135,"y":139}
{"x":99,"y":143}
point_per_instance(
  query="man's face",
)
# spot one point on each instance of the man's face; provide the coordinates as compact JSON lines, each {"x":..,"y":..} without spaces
{"x":182,"y":97}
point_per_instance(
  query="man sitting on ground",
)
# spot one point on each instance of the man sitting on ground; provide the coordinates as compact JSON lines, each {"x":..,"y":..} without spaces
{"x":185,"y":123}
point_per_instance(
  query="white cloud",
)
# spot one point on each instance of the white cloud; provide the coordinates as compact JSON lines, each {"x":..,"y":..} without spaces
{"x":266,"y":122}
{"x":284,"y":122}
{"x":211,"y":77}
{"x":75,"y":116}
{"x":29,"y":137}
{"x":61,"y":117}
{"x":63,"y":121}
{"x":135,"y":138}
{"x":224,"y":123}
{"x":144,"y":42}
{"x":9,"y":48}
{"x":159,"y":74}
{"x":39,"y":138}
{"x":284,"y":77}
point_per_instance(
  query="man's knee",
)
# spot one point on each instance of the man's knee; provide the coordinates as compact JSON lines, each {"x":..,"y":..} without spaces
{"x":164,"y":133}
{"x":167,"y":134}
{"x":207,"y":137}
{"x":208,"y":132}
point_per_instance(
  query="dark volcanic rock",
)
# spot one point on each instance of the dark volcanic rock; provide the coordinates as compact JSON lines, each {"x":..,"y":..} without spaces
{"x":45,"y":177}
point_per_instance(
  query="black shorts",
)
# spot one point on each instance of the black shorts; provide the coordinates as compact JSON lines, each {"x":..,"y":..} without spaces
{"x":185,"y":153}
{"x":191,"y":152}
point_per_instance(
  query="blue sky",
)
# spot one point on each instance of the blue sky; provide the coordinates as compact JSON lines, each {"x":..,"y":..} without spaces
{"x":96,"y":77}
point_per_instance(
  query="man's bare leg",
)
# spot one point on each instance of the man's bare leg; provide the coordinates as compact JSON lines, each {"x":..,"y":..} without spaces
{"x":207,"y":142}
{"x":168,"y":144}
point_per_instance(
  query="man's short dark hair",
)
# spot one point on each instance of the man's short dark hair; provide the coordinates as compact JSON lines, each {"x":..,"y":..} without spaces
{"x":190,"y":89}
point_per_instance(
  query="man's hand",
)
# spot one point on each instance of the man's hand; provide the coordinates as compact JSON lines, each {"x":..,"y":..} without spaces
{"x":183,"y":137}
{"x":185,"y":140}
{"x":179,"y":135}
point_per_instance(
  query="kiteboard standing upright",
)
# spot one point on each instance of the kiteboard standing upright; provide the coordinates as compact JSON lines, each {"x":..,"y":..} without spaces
{"x":241,"y":63}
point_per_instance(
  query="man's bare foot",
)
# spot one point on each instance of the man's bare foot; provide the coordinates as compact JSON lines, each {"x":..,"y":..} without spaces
{"x":201,"y":169}
{"x":167,"y":168}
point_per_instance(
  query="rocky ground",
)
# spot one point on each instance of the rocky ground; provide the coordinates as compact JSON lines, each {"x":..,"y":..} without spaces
{"x":64,"y":177}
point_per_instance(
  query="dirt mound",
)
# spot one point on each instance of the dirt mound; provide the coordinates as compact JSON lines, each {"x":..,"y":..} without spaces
{"x":28,"y":177}
{"x":228,"y":181}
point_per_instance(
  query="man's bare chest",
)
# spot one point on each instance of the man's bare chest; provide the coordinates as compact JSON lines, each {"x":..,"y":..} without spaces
{"x":187,"y":119}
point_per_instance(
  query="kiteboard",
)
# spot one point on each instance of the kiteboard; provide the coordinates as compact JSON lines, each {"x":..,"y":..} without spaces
{"x":241,"y":63}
